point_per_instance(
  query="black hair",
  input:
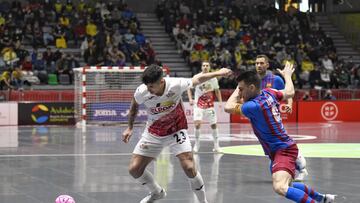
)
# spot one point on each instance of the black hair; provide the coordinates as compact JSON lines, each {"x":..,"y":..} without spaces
{"x":249,"y":78}
{"x":152,"y":74}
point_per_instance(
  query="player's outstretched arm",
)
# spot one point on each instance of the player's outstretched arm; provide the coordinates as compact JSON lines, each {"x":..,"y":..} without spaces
{"x":287,"y":72}
{"x":189,"y":93}
{"x":134,"y":108}
{"x":200,"y":78}
{"x":233,"y":104}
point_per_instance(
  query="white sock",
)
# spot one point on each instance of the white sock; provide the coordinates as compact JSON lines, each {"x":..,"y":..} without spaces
{"x":197,"y":137}
{"x":300,"y":162}
{"x":148,"y":181}
{"x":215,"y":136}
{"x":198,"y":187}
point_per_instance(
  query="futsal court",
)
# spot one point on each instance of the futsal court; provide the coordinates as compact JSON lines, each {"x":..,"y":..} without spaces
{"x":39,"y":163}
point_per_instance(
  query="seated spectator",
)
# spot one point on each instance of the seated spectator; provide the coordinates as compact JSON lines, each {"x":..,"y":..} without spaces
{"x":39,"y":68}
{"x":37,"y":35}
{"x":91,"y":29}
{"x":325,"y":78}
{"x":27,"y":71}
{"x":63,"y":67}
{"x":79,"y":32}
{"x":315,"y":78}
{"x":49,"y":59}
{"x":195,"y":61}
{"x":26,"y":66}
{"x":17,"y":79}
{"x":329,"y":96}
{"x":5,"y":80}
{"x":327,"y":63}
{"x":306,"y":96}
{"x":48,"y":37}
{"x":9,"y":56}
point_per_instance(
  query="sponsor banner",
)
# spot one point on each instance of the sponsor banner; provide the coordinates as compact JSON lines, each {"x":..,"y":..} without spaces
{"x":114,"y":112}
{"x":222,"y":116}
{"x":46,"y":113}
{"x":286,"y":117}
{"x":323,"y":111}
{"x":8,"y":114}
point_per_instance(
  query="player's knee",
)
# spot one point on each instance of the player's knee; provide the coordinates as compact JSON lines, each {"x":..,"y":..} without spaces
{"x":280,"y":188}
{"x":197,"y":125}
{"x":135,"y":171}
{"x":189,"y":170}
{"x":213,"y":126}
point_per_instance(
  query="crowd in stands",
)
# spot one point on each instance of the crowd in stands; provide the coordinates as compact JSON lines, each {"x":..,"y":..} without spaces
{"x":233,"y":33}
{"x":43,"y":38}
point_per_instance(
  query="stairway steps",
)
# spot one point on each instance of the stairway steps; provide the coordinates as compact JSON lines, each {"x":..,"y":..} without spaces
{"x":156,"y":35}
{"x":165,"y":51}
{"x":164,"y":47}
{"x":152,"y":27}
{"x":161,"y":40}
{"x":343,"y":47}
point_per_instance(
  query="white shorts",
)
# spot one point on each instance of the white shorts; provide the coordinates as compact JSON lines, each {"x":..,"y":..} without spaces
{"x":208,"y":114}
{"x":151,"y":146}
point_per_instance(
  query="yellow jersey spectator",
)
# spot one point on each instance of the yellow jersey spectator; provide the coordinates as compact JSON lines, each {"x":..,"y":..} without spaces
{"x":5,"y":78}
{"x":237,"y":55}
{"x":81,"y":6}
{"x":307,"y":65}
{"x":58,"y":6}
{"x":9,"y":54}
{"x":69,"y":7}
{"x":219,"y":30}
{"x":235,"y":23}
{"x":64,"y":21}
{"x":91,"y":29}
{"x":204,"y":55}
{"x":195,"y":56}
{"x":2,"y":21}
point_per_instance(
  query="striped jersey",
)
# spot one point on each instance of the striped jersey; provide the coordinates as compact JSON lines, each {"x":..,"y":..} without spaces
{"x":272,"y":81}
{"x":263,"y":112}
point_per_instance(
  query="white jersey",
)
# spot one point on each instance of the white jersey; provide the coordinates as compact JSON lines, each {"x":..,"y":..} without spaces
{"x":165,"y":113}
{"x":204,"y":93}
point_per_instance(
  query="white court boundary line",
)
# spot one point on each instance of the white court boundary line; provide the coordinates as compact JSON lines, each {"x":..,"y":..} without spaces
{"x":76,"y":155}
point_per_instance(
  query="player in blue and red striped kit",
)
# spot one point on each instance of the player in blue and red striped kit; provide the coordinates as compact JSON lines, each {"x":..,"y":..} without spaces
{"x":269,"y":80}
{"x":262,"y":108}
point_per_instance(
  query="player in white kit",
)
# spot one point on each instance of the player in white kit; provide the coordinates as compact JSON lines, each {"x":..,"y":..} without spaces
{"x":204,"y":107}
{"x":166,"y":126}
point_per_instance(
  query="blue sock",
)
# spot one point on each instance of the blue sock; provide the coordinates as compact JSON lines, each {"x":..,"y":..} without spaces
{"x":312,"y":193}
{"x":298,"y":196}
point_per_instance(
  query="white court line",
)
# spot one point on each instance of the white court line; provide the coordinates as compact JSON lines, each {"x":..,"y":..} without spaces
{"x":75,"y":155}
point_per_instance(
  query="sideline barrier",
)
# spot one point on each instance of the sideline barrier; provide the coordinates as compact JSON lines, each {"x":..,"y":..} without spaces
{"x":8,"y":114}
{"x":46,"y":113}
{"x":323,"y":111}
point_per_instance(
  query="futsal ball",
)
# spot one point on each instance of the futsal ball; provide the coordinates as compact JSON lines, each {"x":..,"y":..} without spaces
{"x":64,"y":199}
